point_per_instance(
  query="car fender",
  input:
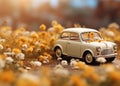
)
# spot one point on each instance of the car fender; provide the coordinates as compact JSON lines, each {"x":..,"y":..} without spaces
{"x":89,"y":51}
{"x":58,"y":45}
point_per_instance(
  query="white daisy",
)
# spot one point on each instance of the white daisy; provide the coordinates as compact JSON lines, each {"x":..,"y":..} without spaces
{"x":1,"y":47}
{"x":73,"y":62}
{"x":9,"y":60}
{"x":61,"y":72}
{"x":101,"y":60}
{"x":2,"y":63}
{"x":36,"y":63}
{"x":20,"y":56}
{"x":64,"y":63}
{"x":59,"y":66}
{"x":24,"y":46}
{"x":29,"y":77}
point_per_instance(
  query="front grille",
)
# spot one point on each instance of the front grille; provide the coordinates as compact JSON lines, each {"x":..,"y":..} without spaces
{"x":106,"y":51}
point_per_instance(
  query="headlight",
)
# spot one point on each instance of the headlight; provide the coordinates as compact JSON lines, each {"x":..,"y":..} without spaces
{"x":98,"y":49}
{"x":115,"y":47}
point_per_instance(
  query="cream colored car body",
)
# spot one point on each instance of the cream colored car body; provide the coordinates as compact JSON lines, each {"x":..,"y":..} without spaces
{"x":77,"y":48}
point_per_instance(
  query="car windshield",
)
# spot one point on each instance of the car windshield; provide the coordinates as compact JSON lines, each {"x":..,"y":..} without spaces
{"x":91,"y":36}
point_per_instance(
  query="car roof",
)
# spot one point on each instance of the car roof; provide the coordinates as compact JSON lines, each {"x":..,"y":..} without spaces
{"x":80,"y":30}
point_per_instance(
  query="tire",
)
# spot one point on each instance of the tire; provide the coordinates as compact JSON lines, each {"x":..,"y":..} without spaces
{"x":109,"y":60}
{"x":88,"y":58}
{"x":58,"y":52}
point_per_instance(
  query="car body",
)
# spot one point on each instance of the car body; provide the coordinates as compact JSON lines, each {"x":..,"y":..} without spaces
{"x":84,"y":43}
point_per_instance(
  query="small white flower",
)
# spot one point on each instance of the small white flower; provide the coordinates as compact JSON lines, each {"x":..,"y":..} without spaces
{"x":28,"y":68}
{"x":47,"y":61}
{"x":26,"y":33}
{"x":1,"y":47}
{"x":72,"y":59}
{"x":2,"y":63}
{"x":61,"y":72}
{"x":8,"y":50}
{"x":44,"y":62}
{"x":22,"y":70}
{"x":117,"y":66}
{"x":29,"y":77}
{"x":9,"y":53}
{"x":36,"y":63}
{"x":33,"y":32}
{"x":77,"y":60}
{"x":38,"y":50}
{"x":101,"y":60}
{"x":24,"y":46}
{"x":73,"y":62}
{"x":2,"y":40}
{"x":116,"y":62}
{"x":59,"y":59}
{"x":8,"y":32}
{"x":64,"y":62}
{"x":37,"y":43}
{"x":103,"y":78}
{"x":59,"y":66}
{"x":110,"y":33}
{"x":114,"y":25}
{"x":9,"y":60}
{"x":109,"y":69}
{"x":20,"y":56}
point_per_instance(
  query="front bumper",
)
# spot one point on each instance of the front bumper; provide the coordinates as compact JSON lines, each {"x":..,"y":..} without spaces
{"x":107,"y":56}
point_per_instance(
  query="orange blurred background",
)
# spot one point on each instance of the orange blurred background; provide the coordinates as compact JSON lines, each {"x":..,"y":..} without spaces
{"x":32,"y":13}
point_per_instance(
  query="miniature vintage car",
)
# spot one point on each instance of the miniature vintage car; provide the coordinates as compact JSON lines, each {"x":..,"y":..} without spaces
{"x":85,"y":43}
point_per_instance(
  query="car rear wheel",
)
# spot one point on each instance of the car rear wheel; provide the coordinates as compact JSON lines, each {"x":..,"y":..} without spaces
{"x":88,"y":58}
{"x":58,"y":52}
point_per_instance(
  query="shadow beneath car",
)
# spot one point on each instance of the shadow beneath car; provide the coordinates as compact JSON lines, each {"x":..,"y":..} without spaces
{"x":68,"y":59}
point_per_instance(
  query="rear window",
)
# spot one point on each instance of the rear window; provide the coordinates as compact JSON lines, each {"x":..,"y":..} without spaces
{"x":65,"y":35}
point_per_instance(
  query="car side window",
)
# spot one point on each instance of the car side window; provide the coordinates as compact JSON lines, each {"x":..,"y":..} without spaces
{"x":74,"y":36}
{"x":65,"y":35}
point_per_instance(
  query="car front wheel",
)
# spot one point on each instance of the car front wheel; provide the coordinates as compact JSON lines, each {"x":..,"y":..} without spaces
{"x":88,"y":58}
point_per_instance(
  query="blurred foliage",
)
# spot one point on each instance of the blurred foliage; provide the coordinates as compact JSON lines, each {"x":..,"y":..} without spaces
{"x":111,"y":33}
{"x":25,"y":57}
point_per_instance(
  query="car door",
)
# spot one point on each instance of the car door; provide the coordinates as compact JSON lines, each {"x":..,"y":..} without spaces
{"x":65,"y":36}
{"x":74,"y":45}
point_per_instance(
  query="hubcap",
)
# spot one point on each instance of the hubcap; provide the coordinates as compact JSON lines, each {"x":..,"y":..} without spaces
{"x":89,"y":58}
{"x":58,"y":53}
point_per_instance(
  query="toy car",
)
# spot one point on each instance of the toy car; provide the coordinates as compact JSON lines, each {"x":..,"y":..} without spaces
{"x":85,"y":43}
